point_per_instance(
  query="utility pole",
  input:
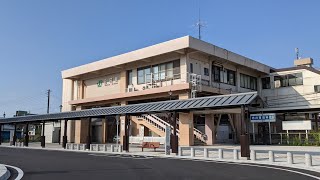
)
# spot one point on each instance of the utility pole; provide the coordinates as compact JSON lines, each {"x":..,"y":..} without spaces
{"x":60,"y":125}
{"x":48,"y":105}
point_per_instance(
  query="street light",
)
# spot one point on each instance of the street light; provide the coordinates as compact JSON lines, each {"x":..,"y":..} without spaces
{"x":170,"y":94}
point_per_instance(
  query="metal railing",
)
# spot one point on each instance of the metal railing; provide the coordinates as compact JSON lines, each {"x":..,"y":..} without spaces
{"x":161,"y":125}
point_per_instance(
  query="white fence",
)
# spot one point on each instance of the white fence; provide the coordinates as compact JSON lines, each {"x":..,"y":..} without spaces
{"x":140,"y":140}
{"x":233,"y":154}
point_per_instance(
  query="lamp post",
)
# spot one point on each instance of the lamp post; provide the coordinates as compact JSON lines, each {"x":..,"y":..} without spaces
{"x":170,"y":94}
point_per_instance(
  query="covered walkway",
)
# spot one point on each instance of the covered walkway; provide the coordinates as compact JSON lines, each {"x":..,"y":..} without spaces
{"x":241,"y":102}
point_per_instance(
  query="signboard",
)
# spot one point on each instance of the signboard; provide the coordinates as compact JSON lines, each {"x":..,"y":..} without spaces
{"x":167,"y":140}
{"x":269,"y":117}
{"x":296,"y":125}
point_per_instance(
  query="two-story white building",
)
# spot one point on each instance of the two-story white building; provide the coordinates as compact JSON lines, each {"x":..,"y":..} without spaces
{"x":177,"y":69}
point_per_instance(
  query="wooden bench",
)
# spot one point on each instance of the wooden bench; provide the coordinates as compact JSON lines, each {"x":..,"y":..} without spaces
{"x":150,"y":145}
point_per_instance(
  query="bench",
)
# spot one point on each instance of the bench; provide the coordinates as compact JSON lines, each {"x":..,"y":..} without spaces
{"x":150,"y":145}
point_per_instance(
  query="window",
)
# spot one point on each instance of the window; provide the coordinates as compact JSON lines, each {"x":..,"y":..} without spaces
{"x":265,"y":83}
{"x":206,"y":71}
{"x":144,"y":75}
{"x":129,"y":77}
{"x":155,"y":71}
{"x":169,"y":70}
{"x":317,"y":88}
{"x":290,"y":79}
{"x":162,"y":71}
{"x":248,"y":82}
{"x":158,"y":72}
{"x":191,"y":68}
{"x":223,"y":75}
{"x":231,"y":77}
{"x":176,"y":69}
{"x":216,"y":73}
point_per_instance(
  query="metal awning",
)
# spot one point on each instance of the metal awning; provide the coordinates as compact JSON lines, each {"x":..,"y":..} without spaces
{"x":203,"y":103}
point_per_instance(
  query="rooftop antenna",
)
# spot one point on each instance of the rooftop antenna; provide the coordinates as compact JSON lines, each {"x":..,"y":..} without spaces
{"x":199,"y":23}
{"x":297,"y":53}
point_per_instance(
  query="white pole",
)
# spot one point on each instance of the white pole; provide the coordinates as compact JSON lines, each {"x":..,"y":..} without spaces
{"x":117,"y":121}
{"x":253,"y":133}
{"x":307,"y":138}
{"x":270,"y":134}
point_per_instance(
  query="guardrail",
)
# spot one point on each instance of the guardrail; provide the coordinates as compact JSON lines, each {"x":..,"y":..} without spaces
{"x":94,"y":147}
{"x":219,"y":155}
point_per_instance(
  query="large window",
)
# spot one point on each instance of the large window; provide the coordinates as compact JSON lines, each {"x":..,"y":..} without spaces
{"x":222,"y":75}
{"x":317,"y":88}
{"x":165,"y":71}
{"x":144,"y":75}
{"x":290,"y":79}
{"x":248,"y":82}
{"x":265,"y":83}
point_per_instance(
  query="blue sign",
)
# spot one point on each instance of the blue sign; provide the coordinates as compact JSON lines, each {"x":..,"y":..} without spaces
{"x":270,"y":117}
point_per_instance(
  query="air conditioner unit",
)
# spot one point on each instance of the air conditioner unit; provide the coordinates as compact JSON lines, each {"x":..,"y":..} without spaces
{"x":277,"y":84}
{"x":130,"y":88}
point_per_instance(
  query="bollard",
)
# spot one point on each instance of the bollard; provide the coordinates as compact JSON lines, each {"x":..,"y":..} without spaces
{"x":289,"y":158}
{"x":271,"y":156}
{"x":192,"y":151}
{"x":308,"y":160}
{"x":220,"y":153}
{"x":205,"y":153}
{"x":112,"y":148}
{"x":180,"y":151}
{"x":253,"y":155}
{"x":235,"y":154}
{"x":120,"y":148}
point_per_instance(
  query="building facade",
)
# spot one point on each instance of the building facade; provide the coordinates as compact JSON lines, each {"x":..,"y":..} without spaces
{"x":177,"y":69}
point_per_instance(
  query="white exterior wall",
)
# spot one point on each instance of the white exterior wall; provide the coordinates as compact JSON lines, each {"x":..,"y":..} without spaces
{"x":92,"y":90}
{"x":300,"y":95}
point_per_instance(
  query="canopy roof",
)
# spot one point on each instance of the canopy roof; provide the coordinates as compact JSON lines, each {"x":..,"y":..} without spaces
{"x":195,"y":104}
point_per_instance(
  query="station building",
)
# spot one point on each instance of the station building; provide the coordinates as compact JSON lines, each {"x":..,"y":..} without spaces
{"x":184,"y":68}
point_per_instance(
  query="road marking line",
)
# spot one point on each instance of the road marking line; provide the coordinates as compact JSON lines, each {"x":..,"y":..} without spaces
{"x":20,"y":172}
{"x":256,"y":165}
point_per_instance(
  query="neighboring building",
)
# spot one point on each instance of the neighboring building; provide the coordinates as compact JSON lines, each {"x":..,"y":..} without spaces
{"x":178,"y":69}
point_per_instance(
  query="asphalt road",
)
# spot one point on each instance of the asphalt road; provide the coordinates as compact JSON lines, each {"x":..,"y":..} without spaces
{"x":57,"y":165}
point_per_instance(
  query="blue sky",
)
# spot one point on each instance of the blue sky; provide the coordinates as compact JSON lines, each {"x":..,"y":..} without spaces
{"x":40,"y":38}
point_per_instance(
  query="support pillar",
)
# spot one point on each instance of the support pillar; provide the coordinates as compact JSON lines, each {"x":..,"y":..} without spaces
{"x":89,"y":134}
{"x":64,"y":138}
{"x":26,"y":136}
{"x":174,"y":137}
{"x":15,"y":135}
{"x":186,"y":129}
{"x":244,"y":138}
{"x":210,"y":129}
{"x":104,"y":131}
{"x":0,"y":134}
{"x":81,"y":131}
{"x":43,"y":138}
{"x":125,"y":139}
